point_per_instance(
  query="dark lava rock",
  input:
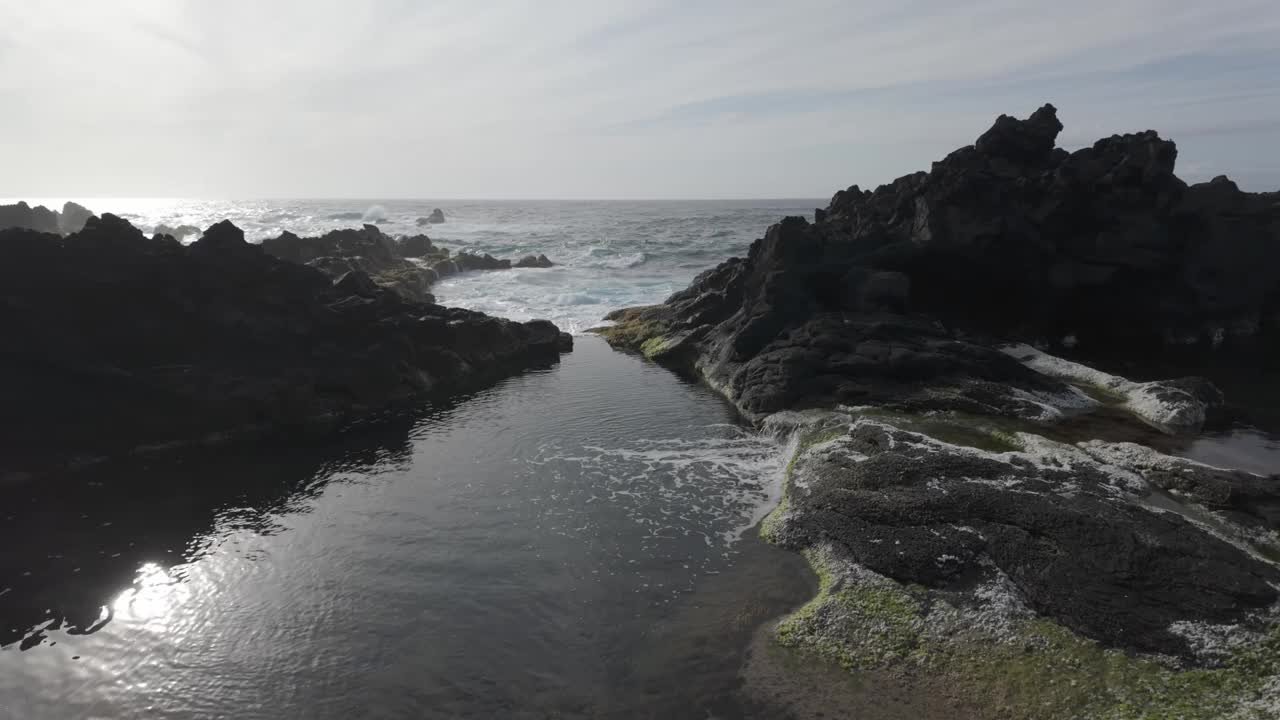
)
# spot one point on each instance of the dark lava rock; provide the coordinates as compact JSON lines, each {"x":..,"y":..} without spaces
{"x":435,"y":218}
{"x":532,"y":261}
{"x":73,"y":218}
{"x":178,"y":233}
{"x":120,"y":342}
{"x":22,"y":215}
{"x":42,"y":219}
{"x":901,"y":299}
{"x":367,"y":250}
{"x":1009,"y":239}
{"x":1074,"y":546}
{"x":415,"y":246}
{"x":376,"y":250}
{"x":382,"y":258}
{"x":466,"y":262}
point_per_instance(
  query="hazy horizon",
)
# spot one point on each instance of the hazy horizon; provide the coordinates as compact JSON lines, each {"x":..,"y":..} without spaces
{"x":580,"y":100}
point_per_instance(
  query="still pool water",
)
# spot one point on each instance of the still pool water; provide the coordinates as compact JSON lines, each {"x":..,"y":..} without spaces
{"x":572,"y":543}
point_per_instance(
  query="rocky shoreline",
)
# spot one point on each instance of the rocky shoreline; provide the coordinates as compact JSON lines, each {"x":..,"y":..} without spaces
{"x":119,"y":344}
{"x":408,"y":265}
{"x":975,"y":505}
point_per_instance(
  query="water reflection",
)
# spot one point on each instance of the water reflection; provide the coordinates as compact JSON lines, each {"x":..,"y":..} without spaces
{"x":564,"y":544}
{"x":117,"y":541}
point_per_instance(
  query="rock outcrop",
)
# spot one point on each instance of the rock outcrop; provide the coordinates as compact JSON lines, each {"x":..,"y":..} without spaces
{"x":42,"y":219}
{"x":178,"y":233}
{"x":952,"y":474}
{"x":416,"y":246}
{"x":73,"y":218}
{"x":533,"y":261}
{"x":409,"y":265}
{"x":1101,"y":251}
{"x":435,"y":218}
{"x":118,"y":343}
{"x":367,"y":250}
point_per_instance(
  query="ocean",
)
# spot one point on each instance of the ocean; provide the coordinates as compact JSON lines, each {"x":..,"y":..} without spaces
{"x":608,"y":254}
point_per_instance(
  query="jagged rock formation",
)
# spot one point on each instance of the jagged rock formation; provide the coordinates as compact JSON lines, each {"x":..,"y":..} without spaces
{"x":1103,"y":249}
{"x":73,"y":218}
{"x":955,"y":468}
{"x":121,"y":342}
{"x":533,"y":261}
{"x":386,"y":260}
{"x":367,"y":250}
{"x":435,"y":218}
{"x":416,"y":246}
{"x":42,"y":219}
{"x":177,"y":233}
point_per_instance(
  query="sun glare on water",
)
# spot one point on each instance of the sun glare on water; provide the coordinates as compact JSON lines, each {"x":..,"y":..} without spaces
{"x":153,"y":595}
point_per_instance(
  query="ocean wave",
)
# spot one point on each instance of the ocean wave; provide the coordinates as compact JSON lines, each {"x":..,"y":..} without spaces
{"x":578,"y":298}
{"x":374,"y":214}
{"x":620,"y":262}
{"x":347,"y":216}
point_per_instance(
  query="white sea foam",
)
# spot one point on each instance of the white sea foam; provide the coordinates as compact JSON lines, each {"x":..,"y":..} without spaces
{"x":608,"y":254}
{"x":719,"y":485}
{"x":1166,"y":408}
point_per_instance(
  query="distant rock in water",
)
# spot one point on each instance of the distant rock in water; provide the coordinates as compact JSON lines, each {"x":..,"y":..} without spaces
{"x":384,"y":259}
{"x":178,"y":233}
{"x":42,"y":219}
{"x":415,"y":246}
{"x":435,"y":218}
{"x":532,"y":261}
{"x":121,"y":344}
{"x":954,"y":482}
{"x":73,"y":218}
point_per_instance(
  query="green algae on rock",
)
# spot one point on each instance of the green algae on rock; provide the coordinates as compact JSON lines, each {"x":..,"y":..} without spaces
{"x":980,"y":632}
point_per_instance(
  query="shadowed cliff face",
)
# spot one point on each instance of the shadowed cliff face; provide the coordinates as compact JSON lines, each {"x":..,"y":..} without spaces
{"x":1104,"y":251}
{"x":116,"y":341}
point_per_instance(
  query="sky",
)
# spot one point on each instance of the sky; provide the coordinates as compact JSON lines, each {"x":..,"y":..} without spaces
{"x":605,"y":99}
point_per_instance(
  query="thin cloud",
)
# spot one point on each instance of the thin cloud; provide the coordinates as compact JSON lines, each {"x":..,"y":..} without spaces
{"x":571,"y":98}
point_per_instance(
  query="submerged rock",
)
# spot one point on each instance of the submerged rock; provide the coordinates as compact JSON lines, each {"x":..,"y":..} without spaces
{"x":532,"y":261}
{"x":146,"y":343}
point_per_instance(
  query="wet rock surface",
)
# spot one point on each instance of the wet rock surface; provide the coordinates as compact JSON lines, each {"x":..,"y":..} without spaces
{"x":408,"y":265}
{"x":435,"y":218}
{"x":1065,"y":525}
{"x":122,"y":342}
{"x":958,"y":486}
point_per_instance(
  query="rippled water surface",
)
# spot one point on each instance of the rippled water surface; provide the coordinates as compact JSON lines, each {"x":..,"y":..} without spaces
{"x":569,"y":543}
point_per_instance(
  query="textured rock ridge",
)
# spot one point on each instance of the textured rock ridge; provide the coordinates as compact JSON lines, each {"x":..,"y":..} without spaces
{"x":977,"y":507}
{"x":117,"y":342}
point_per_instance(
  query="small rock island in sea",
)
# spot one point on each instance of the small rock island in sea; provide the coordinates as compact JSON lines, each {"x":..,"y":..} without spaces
{"x":985,"y":516}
